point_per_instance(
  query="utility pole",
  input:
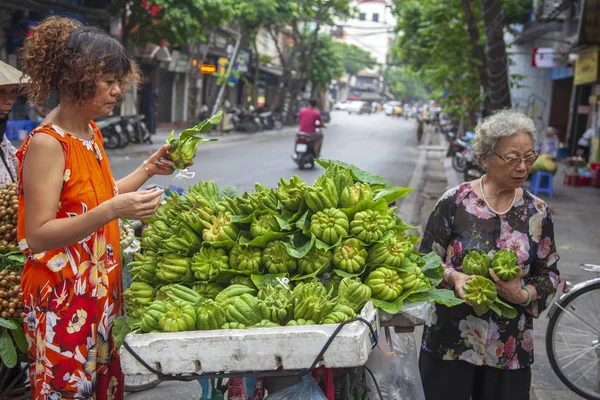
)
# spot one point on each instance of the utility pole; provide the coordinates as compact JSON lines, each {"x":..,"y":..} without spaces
{"x":229,"y":68}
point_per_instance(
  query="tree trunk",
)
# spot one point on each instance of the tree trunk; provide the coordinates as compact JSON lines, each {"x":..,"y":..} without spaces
{"x":256,"y":75}
{"x":477,"y":50}
{"x":499,"y":90}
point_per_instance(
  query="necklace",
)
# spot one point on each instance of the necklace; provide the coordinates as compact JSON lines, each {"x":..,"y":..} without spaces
{"x":488,"y":204}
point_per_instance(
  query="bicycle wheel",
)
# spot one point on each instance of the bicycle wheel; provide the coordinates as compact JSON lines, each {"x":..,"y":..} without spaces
{"x":573,"y":342}
{"x":137,"y":383}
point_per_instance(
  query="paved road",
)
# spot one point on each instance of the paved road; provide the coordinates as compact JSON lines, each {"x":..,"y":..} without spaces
{"x":376,"y":143}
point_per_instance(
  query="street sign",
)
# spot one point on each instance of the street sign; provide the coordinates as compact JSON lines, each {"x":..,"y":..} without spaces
{"x":208,"y":69}
{"x":222,"y":63}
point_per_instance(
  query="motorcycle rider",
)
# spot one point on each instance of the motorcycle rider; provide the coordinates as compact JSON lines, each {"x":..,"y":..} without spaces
{"x":307,"y":119}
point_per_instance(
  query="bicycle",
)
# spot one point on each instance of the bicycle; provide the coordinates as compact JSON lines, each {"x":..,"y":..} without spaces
{"x":573,"y":335}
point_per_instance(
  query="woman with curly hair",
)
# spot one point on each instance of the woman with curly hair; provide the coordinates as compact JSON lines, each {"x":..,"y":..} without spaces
{"x":69,"y":206}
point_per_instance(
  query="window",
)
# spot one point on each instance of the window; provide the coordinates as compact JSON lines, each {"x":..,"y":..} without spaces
{"x":375,"y":17}
{"x":362,"y":16}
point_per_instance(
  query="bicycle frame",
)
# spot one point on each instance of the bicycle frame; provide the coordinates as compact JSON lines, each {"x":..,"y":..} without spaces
{"x":568,"y":291}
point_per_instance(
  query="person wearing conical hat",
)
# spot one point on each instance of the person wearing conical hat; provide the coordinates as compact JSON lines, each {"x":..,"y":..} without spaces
{"x":11,"y":87}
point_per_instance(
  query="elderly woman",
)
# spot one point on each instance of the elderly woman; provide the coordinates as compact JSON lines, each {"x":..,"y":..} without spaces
{"x":465,"y":356}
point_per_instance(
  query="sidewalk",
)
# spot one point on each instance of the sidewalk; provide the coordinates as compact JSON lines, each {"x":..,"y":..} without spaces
{"x":576,"y":215}
{"x":162,"y":134}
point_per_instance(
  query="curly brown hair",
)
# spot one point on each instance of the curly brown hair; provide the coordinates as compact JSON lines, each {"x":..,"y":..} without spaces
{"x":65,"y":55}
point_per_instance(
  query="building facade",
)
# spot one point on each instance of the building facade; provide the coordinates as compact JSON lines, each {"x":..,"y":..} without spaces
{"x":372,"y":28}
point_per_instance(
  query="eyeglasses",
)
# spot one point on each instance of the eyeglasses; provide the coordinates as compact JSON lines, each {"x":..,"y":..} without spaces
{"x":515,"y":161}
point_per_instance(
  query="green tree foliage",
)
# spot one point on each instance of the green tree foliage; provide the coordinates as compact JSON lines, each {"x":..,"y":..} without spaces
{"x":301,"y":21}
{"x":435,"y":42}
{"x":327,"y":63}
{"x":175,"y":21}
{"x":404,"y":84}
{"x":354,"y":58}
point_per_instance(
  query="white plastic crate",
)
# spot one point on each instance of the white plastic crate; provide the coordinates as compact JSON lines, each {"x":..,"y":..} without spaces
{"x":249,"y":350}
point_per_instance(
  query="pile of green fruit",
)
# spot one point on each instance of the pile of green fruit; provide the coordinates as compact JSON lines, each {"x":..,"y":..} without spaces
{"x":297,"y":254}
{"x":480,"y":291}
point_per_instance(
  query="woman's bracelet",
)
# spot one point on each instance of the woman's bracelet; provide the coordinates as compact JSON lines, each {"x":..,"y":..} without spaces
{"x":528,"y":302}
{"x":150,"y":174}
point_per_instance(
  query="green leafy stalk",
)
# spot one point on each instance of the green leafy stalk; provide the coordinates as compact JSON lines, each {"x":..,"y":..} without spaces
{"x":183,"y":148}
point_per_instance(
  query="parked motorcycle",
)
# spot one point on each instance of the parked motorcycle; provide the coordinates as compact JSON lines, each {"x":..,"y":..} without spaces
{"x":137,"y":129}
{"x":472,"y":168}
{"x":305,"y":151}
{"x":112,"y":132}
{"x":266,"y":119}
{"x":245,"y":121}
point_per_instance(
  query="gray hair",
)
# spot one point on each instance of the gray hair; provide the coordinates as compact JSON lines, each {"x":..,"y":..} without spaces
{"x":501,"y":124}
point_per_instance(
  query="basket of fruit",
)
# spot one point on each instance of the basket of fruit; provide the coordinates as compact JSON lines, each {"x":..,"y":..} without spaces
{"x":9,"y":210}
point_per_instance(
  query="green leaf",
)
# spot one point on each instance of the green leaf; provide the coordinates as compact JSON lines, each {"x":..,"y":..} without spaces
{"x":320,"y":271}
{"x":229,"y":192}
{"x":392,"y":194}
{"x":380,"y":206}
{"x":433,"y":268}
{"x":506,"y":310}
{"x":8,"y":324}
{"x":17,"y":258}
{"x":18,"y":336}
{"x":120,"y":330}
{"x":303,"y":223}
{"x":225,"y":275}
{"x":299,"y":245}
{"x":283,"y":224}
{"x":359,"y":174}
{"x":439,"y":296}
{"x":393,"y":307}
{"x":345,"y":274}
{"x":262,"y":281}
{"x":8,"y":352}
{"x":494,"y":307}
{"x":324,"y":246}
{"x":225,"y":244}
{"x":261,"y":241}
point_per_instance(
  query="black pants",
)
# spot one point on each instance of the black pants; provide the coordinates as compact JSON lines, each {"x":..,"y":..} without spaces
{"x":459,"y":380}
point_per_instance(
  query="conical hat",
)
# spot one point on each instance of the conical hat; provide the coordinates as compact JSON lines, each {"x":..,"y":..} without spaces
{"x":10,"y":75}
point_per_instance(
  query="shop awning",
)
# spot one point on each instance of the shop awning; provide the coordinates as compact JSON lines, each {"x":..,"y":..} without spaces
{"x":151,"y":51}
{"x":370,"y":96}
{"x":272,"y":70}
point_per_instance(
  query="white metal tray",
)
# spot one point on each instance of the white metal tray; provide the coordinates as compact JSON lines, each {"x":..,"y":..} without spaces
{"x":251,"y":350}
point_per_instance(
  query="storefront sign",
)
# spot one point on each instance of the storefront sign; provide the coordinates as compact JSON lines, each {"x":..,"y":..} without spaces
{"x":586,"y":67}
{"x":544,"y":57}
{"x":561,"y":73}
{"x":208,"y":69}
{"x":583,"y":109}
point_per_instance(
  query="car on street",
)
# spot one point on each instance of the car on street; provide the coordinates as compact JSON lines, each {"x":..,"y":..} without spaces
{"x":359,"y":107}
{"x":341,"y":105}
{"x":390,"y":106}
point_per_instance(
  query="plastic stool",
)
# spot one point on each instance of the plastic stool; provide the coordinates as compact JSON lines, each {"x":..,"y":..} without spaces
{"x":541,"y":182}
{"x":13,"y":127}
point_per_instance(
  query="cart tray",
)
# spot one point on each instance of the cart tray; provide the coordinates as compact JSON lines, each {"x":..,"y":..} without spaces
{"x":248,"y":350}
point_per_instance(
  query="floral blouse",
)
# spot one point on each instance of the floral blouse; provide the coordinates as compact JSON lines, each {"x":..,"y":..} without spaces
{"x":462,"y":221}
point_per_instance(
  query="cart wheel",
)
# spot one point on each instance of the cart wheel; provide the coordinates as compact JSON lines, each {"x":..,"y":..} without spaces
{"x":137,"y":383}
